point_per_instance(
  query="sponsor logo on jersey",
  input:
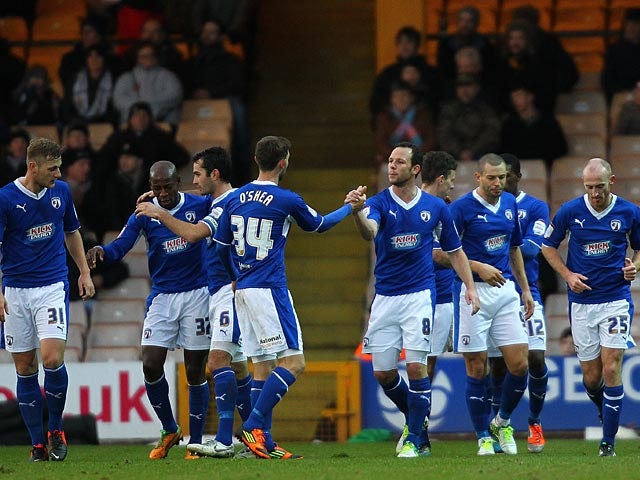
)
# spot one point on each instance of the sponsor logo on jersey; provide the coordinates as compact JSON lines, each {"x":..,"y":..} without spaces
{"x":190,"y":216}
{"x":408,"y":240}
{"x":175,"y":245}
{"x":56,"y":202}
{"x":216,"y":212}
{"x":40,"y":232}
{"x":579,"y":222}
{"x":596,"y":249}
{"x":539,"y":227}
{"x":495,"y":243}
{"x":266,"y":342}
{"x":425,"y":215}
{"x":615,"y":224}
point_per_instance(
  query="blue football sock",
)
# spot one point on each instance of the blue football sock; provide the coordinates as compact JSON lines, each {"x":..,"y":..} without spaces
{"x":513,"y":388}
{"x":397,"y":391}
{"x":30,"y":404}
{"x":56,"y":382}
{"x":612,"y":405}
{"x":158,"y":395}
{"x":537,"y":391}
{"x":419,"y":401}
{"x":226,"y":391}
{"x":198,"y":406}
{"x":476,"y":397}
{"x":596,"y":397}
{"x":243,"y":402}
{"x":496,"y":393}
{"x":256,"y":390}
{"x":275,"y":387}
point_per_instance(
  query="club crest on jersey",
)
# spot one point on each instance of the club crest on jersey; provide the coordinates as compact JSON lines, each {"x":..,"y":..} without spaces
{"x":596,"y":249}
{"x":190,"y":216}
{"x":615,"y":225}
{"x":175,"y":245}
{"x":425,"y":215}
{"x":56,"y":202}
{"x":40,"y":232}
{"x":495,"y":243}
{"x":407,"y":240}
{"x":509,"y":214}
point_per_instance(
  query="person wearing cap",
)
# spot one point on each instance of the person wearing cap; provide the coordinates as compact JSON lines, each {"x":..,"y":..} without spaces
{"x":468,"y":126}
{"x":153,"y":143}
{"x":14,"y":161}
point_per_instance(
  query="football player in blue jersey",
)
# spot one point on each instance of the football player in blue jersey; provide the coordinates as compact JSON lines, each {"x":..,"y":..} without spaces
{"x":227,"y":363}
{"x":177,"y":307}
{"x":487,"y":221}
{"x":402,"y":220}
{"x":254,"y":225}
{"x":599,"y":226}
{"x":37,"y":220}
{"x":534,"y":219}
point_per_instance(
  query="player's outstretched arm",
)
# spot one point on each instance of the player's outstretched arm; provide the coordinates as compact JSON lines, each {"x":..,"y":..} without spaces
{"x":76,"y":250}
{"x":354,"y":201}
{"x":191,"y":232}
{"x":460,"y":264}
{"x":93,"y":255}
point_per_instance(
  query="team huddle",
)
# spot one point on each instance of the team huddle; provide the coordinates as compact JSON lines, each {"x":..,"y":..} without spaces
{"x":469,"y":268}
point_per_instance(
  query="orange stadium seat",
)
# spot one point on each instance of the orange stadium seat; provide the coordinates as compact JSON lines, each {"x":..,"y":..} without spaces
{"x":567,"y":168}
{"x":579,"y":18}
{"x":616,"y":105}
{"x":121,"y":334}
{"x":196,"y":135}
{"x":111,"y":354}
{"x":43,"y":131}
{"x":99,"y":133}
{"x":583,"y":124}
{"x":78,"y":317}
{"x":219,"y":109}
{"x":14,"y":29}
{"x":562,"y":191}
{"x":583,"y":44}
{"x":581,"y":3}
{"x":588,"y":82}
{"x":130,"y":289}
{"x":58,"y":27}
{"x":116,"y":310}
{"x":588,"y":62}
{"x":622,"y":145}
{"x":534,"y":178}
{"x":76,"y":8}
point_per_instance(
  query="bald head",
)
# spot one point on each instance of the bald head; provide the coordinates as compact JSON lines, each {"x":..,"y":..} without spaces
{"x":162,"y":169}
{"x":597,"y":167}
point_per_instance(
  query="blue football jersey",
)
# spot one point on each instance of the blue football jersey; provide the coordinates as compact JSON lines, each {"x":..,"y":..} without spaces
{"x":32,"y":229}
{"x":487,"y":231}
{"x":534,"y":220}
{"x":217,"y":275}
{"x":256,"y":221}
{"x":597,"y":245}
{"x":175,"y":265}
{"x":405,"y":237}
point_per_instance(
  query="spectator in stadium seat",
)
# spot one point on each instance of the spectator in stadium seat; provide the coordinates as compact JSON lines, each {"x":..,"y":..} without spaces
{"x":425,"y":96}
{"x":621,"y":67}
{"x":523,"y":61}
{"x":466,"y":35}
{"x":92,"y":34}
{"x":408,"y":41}
{"x":154,"y":30}
{"x":402,"y":121}
{"x":34,"y":101}
{"x":529,"y":132}
{"x":553,"y":54}
{"x":468,"y":126}
{"x":628,"y":121}
{"x":121,"y":189}
{"x":14,"y":159}
{"x":149,"y":82}
{"x":141,"y":130}
{"x":216,"y":73}
{"x":90,"y":96}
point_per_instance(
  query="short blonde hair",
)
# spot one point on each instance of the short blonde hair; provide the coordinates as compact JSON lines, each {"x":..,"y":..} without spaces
{"x":41,"y":150}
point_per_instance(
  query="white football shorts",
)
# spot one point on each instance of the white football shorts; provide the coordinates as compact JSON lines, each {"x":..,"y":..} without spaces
{"x":225,"y":332}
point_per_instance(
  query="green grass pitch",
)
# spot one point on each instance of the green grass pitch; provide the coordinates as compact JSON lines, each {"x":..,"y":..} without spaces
{"x":562,"y":459}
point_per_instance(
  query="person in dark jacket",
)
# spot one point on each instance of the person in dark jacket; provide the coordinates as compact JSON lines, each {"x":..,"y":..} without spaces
{"x":621,"y":66}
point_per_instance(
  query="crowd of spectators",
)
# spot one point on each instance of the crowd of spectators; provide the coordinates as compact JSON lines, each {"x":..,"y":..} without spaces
{"x":125,"y":69}
{"x":494,"y":94}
